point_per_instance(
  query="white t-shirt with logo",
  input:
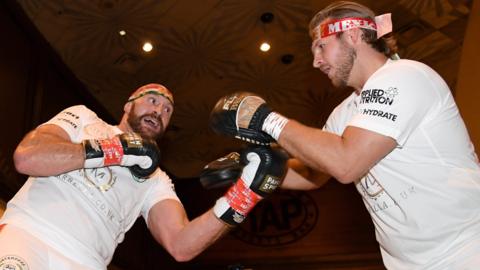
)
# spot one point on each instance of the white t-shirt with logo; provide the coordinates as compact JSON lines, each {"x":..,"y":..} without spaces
{"x":424,"y":196}
{"x":70,"y":211}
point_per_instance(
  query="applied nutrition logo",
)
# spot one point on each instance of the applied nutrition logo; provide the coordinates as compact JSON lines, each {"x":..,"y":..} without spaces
{"x":379,"y":96}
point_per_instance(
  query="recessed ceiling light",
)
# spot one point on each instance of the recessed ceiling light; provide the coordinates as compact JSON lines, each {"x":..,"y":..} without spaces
{"x":287,"y":58}
{"x":147,"y":46}
{"x":267,"y":17}
{"x":122,"y":32}
{"x":264,"y":47}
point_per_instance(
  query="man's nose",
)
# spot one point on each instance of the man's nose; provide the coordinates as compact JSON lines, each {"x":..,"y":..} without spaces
{"x":317,"y":60}
{"x":157,"y":110}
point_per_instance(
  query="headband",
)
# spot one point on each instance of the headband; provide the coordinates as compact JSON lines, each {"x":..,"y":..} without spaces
{"x":382,"y":24}
{"x":153,"y":88}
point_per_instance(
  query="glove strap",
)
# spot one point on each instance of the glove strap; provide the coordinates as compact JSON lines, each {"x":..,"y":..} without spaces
{"x":112,"y":151}
{"x":241,"y":198}
{"x":100,"y":153}
{"x":274,"y":124}
{"x":236,"y":204}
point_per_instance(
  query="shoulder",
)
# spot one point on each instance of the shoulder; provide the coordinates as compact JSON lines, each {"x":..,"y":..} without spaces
{"x":73,"y":120}
{"x":78,"y":111}
{"x":405,"y":77}
{"x":161,"y":179}
{"x":76,"y":114}
{"x":400,"y":69}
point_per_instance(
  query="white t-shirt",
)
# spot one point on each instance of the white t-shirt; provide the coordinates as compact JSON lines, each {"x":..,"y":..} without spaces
{"x":424,"y":196}
{"x":71,"y":213}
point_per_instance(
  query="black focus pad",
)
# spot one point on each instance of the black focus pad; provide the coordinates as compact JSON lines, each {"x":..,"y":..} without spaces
{"x":221,"y":172}
{"x":241,"y":115}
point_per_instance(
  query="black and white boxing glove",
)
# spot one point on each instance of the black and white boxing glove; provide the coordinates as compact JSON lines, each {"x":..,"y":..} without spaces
{"x":264,"y":172}
{"x":222,"y":172}
{"x":140,"y":155}
{"x":246,"y":116}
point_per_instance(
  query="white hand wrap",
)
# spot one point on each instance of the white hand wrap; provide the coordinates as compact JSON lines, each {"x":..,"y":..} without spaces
{"x":274,"y":124}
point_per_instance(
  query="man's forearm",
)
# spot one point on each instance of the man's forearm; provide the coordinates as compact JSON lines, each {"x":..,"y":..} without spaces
{"x":301,"y":177}
{"x":318,"y":150}
{"x":183,"y":239}
{"x":41,"y":154}
{"x":199,"y":234}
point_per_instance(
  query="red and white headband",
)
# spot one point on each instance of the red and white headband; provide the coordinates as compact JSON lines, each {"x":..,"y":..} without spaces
{"x":382,"y":24}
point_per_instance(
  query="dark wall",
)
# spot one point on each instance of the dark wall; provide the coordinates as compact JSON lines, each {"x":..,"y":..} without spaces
{"x":34,"y":86}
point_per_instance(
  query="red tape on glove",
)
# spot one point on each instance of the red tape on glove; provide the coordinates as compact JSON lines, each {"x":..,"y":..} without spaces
{"x":112,"y":151}
{"x":241,"y":198}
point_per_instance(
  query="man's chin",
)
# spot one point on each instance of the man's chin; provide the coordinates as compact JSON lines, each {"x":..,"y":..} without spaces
{"x":340,"y":84}
{"x":150,"y":134}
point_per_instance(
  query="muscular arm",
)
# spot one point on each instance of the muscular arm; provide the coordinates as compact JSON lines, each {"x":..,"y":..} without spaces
{"x":182,"y":238}
{"x":301,"y":177}
{"x":347,"y":157}
{"x":47,"y":151}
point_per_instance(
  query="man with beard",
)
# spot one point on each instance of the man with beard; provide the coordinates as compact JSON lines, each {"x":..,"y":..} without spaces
{"x":89,"y":182}
{"x":398,"y":137}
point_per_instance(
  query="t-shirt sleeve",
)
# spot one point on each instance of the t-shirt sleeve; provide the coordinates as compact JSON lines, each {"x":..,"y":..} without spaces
{"x":339,"y":117}
{"x":329,"y":126}
{"x":395,"y":102}
{"x":72,"y":120}
{"x":161,"y":189}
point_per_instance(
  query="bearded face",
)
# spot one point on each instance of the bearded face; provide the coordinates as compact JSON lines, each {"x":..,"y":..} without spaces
{"x":148,"y":125}
{"x":344,"y":65}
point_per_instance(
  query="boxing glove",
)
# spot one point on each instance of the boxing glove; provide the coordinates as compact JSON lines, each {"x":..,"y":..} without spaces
{"x":140,"y":155}
{"x":264,"y":172}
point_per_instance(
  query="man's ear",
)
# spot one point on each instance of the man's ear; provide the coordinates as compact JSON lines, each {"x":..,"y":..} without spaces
{"x":127,"y":107}
{"x":354,"y":35}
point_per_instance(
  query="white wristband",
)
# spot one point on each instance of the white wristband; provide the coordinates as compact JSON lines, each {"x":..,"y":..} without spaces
{"x":274,"y":124}
{"x":221,"y":206}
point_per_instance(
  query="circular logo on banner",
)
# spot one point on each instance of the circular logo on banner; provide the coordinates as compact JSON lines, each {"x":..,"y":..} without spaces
{"x":283,"y":218}
{"x":12,"y":262}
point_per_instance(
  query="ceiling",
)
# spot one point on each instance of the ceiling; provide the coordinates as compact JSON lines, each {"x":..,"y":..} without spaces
{"x":205,"y":49}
